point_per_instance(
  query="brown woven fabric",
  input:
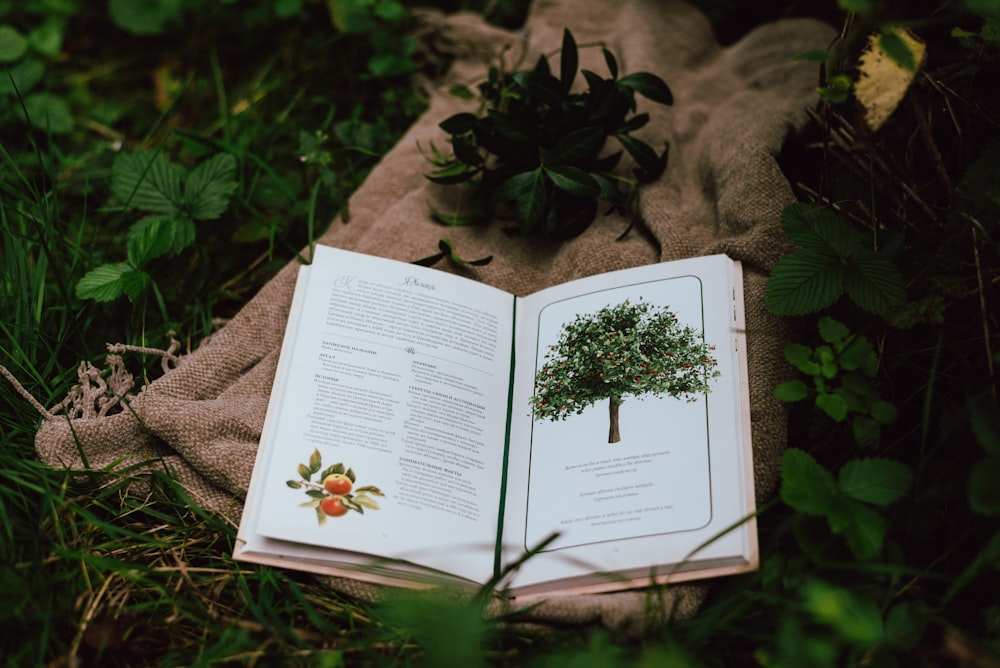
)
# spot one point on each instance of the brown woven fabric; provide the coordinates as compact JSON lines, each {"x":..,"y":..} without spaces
{"x":722,"y":192}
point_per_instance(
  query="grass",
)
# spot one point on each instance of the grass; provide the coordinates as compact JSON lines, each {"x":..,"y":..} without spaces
{"x":123,"y":570}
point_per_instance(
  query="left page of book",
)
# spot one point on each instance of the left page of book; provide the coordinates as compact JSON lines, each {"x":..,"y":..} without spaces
{"x":385,"y":433}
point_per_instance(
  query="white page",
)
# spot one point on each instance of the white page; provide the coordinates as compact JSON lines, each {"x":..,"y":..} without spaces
{"x":677,"y":476}
{"x":410,"y":394}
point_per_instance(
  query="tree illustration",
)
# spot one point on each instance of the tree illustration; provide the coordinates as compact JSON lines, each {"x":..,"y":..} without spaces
{"x":628,"y":350}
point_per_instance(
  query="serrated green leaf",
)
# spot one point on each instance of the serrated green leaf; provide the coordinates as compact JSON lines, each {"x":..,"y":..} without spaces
{"x":181,"y":232}
{"x":873,"y":283}
{"x":862,"y":527}
{"x":649,"y":86}
{"x":858,"y":354}
{"x":801,"y":357}
{"x":316,"y":494}
{"x":804,"y":282}
{"x":209,"y":187}
{"x":820,"y":230}
{"x":831,"y":330}
{"x":103,"y":283}
{"x":833,"y":405}
{"x":148,"y":181}
{"x":877,"y":481}
{"x":294,"y":484}
{"x":792,"y":390}
{"x":135,"y":284}
{"x":150,"y":238}
{"x":48,"y":113}
{"x":573,"y":180}
{"x":351,"y":475}
{"x":13,"y":44}
{"x":315,"y":461}
{"x":568,"y":60}
{"x":805,"y":484}
{"x":305,"y":472}
{"x":338,"y":467}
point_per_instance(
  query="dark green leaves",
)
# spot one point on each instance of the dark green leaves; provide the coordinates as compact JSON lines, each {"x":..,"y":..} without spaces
{"x":841,"y":373}
{"x":150,"y":182}
{"x":569,"y":61}
{"x":536,"y":153}
{"x":834,"y":259}
{"x":648,"y":85}
{"x":846,"y":501}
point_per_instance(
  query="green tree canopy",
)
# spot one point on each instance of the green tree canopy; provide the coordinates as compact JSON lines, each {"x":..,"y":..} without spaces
{"x":631,"y":349}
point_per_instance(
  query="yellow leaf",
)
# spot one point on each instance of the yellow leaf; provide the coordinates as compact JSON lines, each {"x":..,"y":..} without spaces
{"x":883,"y":82}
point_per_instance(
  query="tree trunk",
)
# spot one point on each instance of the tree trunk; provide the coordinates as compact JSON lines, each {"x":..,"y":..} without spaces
{"x":613,"y":434}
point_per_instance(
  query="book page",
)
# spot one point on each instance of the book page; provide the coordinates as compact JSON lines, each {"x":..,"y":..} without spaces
{"x":394,"y":383}
{"x":641,"y":458}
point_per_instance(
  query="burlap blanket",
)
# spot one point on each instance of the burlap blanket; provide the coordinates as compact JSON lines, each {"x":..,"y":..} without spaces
{"x":722,"y":193}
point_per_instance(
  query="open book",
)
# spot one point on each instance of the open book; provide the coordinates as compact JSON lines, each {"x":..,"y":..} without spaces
{"x":426,"y":428}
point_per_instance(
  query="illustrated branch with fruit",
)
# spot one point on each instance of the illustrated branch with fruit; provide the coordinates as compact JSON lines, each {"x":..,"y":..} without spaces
{"x":335,"y":494}
{"x":627,"y":350}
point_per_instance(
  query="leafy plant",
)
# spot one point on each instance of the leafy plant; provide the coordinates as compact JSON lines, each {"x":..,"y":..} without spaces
{"x":23,"y":56}
{"x":842,"y":371}
{"x":833,"y":259}
{"x":392,"y":51}
{"x":175,"y":200}
{"x":536,"y":152}
{"x":846,"y":501}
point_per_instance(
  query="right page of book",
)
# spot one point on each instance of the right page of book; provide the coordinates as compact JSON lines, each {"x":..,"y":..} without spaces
{"x":630,"y":427}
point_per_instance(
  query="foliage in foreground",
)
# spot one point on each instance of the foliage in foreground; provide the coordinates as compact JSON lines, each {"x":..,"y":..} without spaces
{"x":883,"y":546}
